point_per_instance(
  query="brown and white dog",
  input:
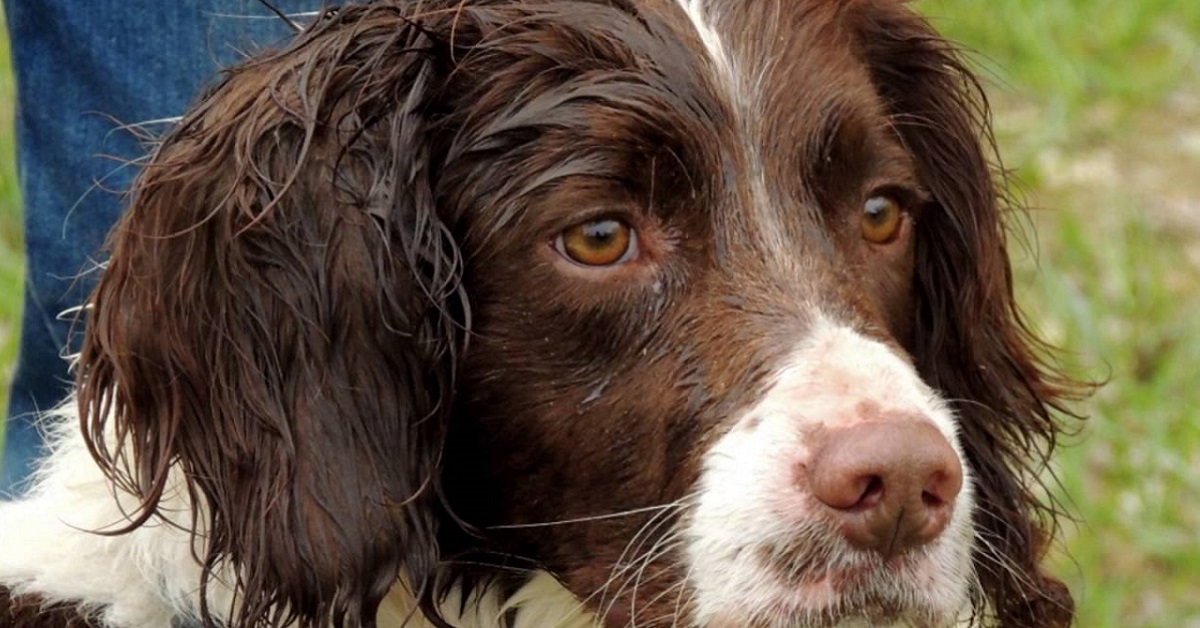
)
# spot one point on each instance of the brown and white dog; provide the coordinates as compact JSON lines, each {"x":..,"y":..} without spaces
{"x":562,"y":313}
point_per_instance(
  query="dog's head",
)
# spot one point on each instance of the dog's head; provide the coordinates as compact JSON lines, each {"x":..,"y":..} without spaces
{"x":704,"y":307}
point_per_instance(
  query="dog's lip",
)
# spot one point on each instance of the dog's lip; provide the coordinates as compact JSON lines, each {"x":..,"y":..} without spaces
{"x":781,"y":615}
{"x":853,"y":570}
{"x":845,"y":579}
{"x":877,"y":592}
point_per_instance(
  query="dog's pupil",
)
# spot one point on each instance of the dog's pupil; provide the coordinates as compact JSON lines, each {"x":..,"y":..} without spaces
{"x":877,"y":209}
{"x":600,"y":232}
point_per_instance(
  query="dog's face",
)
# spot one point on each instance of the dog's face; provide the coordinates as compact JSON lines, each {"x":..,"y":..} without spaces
{"x":689,"y":276}
{"x":702,"y":306}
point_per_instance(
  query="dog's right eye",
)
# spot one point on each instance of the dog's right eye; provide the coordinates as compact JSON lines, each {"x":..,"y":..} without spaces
{"x":882,"y":218}
{"x":604,"y":242}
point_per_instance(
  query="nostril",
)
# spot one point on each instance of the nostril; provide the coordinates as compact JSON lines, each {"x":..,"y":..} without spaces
{"x":871,"y":494}
{"x":891,"y":485}
{"x":941,"y":488}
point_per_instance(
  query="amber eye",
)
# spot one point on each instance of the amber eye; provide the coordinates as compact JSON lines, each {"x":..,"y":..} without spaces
{"x":882,"y":218}
{"x":605,"y":242}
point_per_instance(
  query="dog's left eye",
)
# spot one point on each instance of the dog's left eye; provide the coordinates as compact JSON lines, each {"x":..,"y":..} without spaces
{"x":882,"y":218}
{"x":605,"y":242}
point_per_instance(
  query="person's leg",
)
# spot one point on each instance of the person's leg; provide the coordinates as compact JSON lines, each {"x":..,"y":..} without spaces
{"x":82,"y":68}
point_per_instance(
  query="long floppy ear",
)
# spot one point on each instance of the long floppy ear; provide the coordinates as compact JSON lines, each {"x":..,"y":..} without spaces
{"x":971,"y":342}
{"x":279,"y":321}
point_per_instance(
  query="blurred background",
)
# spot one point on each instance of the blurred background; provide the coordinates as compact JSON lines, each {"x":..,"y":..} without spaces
{"x":1097,"y":111}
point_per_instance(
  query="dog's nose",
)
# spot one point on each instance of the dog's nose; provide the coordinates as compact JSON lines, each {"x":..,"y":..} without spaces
{"x":891,"y":484}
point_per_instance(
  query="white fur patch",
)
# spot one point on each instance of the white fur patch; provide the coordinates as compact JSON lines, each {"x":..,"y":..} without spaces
{"x":136,"y":580}
{"x":741,"y":93}
{"x":541,"y":603}
{"x":749,"y":504}
{"x":148,"y":578}
{"x":713,"y":45}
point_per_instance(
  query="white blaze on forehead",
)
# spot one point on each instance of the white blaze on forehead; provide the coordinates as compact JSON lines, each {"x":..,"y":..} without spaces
{"x":741,"y":95}
{"x":697,"y":13}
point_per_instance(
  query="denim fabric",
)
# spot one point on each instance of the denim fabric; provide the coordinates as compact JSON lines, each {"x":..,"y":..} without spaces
{"x":83,"y":69}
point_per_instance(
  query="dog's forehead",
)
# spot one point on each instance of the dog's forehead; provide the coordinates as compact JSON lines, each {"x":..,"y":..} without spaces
{"x":789,"y":76}
{"x":700,"y":19}
{"x":785,"y":72}
{"x":753,"y":46}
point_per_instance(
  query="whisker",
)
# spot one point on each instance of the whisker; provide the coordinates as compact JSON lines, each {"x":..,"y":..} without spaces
{"x":618,"y":570}
{"x":621,"y":567}
{"x":670,"y":590}
{"x":680,"y":599}
{"x":614,"y":515}
{"x":660,"y":548}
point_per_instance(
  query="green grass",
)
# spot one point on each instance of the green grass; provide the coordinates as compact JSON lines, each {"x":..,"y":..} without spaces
{"x":12,"y":266}
{"x":1098,"y":110}
{"x":1075,"y":68}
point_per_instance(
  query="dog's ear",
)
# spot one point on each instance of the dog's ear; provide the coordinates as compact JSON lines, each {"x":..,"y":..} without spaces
{"x":970,"y":340}
{"x":278,"y":323}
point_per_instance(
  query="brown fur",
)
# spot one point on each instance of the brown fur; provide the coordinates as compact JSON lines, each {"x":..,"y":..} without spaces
{"x":325,"y":307}
{"x":31,"y":611}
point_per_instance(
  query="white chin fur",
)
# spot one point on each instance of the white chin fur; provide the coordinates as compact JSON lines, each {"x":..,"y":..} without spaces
{"x":748,"y":504}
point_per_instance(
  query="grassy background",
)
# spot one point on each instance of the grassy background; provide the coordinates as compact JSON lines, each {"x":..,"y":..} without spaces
{"x":12,"y":267}
{"x":1098,"y":111}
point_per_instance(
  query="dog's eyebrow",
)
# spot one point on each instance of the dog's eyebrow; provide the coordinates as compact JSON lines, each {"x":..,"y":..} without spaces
{"x":841,"y":129}
{"x":826,"y":135}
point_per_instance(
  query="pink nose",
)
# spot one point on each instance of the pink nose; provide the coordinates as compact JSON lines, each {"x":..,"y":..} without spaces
{"x":890,"y":484}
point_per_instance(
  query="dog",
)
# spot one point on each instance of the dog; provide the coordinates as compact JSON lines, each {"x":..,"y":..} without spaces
{"x":564,"y":313}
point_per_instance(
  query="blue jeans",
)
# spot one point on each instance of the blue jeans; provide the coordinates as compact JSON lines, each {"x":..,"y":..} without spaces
{"x":84,"y":68}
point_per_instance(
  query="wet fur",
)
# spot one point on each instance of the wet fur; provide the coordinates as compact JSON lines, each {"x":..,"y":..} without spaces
{"x":295,"y":290}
